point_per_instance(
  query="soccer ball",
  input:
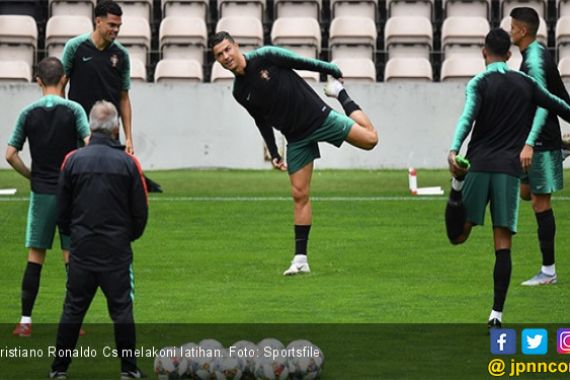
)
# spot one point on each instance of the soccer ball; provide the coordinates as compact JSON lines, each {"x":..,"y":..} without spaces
{"x":271,"y":363}
{"x":211,"y":344}
{"x":169,"y":363}
{"x":246,"y":353}
{"x":305,"y":360}
{"x":227,"y":368}
{"x":267,"y":368}
{"x":270,"y":342}
{"x":204,"y":363}
{"x":189,"y":352}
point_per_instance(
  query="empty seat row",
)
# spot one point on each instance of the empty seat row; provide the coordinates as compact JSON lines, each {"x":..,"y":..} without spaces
{"x":131,"y":8}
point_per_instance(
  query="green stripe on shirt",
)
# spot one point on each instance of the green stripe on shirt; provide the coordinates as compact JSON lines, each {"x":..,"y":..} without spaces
{"x":69,"y":51}
{"x":289,"y":59}
{"x":535,"y":66}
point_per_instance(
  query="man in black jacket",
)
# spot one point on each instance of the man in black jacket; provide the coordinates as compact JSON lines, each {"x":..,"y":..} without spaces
{"x":102,"y":204}
{"x":276,"y":97}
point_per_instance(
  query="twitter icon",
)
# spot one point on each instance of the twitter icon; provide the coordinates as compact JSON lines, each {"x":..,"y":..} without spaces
{"x":534,"y":341}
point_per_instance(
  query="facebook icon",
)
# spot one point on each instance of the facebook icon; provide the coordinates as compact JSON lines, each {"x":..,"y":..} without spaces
{"x":503,"y":341}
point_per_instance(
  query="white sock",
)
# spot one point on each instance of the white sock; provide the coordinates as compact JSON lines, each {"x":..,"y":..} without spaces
{"x":456,"y":185}
{"x":496,"y":315}
{"x":300,"y":259}
{"x":26,"y":319}
{"x":549,"y":269}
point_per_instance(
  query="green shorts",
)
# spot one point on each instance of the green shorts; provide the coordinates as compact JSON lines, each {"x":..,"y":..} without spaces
{"x":334,"y":130}
{"x":42,"y":221}
{"x":545,"y":175}
{"x":500,"y":190}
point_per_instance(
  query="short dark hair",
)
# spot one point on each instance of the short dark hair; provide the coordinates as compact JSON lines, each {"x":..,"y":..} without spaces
{"x":498,"y":42}
{"x":50,"y":71}
{"x":219,"y":37}
{"x":108,"y":6}
{"x":528,"y":16}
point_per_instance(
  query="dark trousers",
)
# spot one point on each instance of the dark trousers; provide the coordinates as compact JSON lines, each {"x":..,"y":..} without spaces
{"x":82,"y":285}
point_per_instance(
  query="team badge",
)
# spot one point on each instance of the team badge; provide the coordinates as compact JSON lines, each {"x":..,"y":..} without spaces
{"x":114,"y":60}
{"x":264,"y":74}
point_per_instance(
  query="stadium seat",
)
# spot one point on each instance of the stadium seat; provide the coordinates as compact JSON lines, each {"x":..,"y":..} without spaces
{"x":461,"y":69}
{"x":357,"y":69}
{"x":185,"y":8}
{"x":183,"y":38}
{"x":138,"y":70}
{"x":301,"y":34}
{"x":420,"y":8}
{"x":358,"y":8}
{"x":564,"y":68}
{"x":136,"y":8}
{"x":135,"y":36}
{"x":60,"y":29}
{"x":467,"y":8}
{"x":563,"y":8}
{"x":408,"y":70}
{"x":352,"y":37}
{"x":15,"y":71}
{"x":221,"y":75}
{"x":309,"y":76}
{"x":297,"y":8}
{"x":515,"y":61}
{"x":32,"y":8}
{"x":72,"y":8}
{"x":178,"y":70}
{"x":408,"y":36}
{"x":18,"y":38}
{"x":246,"y":31}
{"x":241,"y":8}
{"x":538,"y":5}
{"x":463,"y":36}
{"x":563,"y":37}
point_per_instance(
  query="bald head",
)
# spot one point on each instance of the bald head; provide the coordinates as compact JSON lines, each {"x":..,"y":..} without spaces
{"x":104,"y":118}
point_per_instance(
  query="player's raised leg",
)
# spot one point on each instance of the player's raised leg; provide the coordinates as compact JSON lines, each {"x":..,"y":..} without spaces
{"x":457,"y":226}
{"x":362,"y":134}
{"x":300,"y":189}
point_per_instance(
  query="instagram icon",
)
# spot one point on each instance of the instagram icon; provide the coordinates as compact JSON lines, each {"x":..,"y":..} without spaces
{"x":563,"y":341}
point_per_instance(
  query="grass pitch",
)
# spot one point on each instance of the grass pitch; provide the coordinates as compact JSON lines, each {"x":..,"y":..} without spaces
{"x":217,"y":243}
{"x":388,"y":296}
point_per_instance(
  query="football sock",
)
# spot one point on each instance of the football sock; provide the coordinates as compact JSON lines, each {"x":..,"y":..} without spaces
{"x":546,"y":234}
{"x":496,"y":315}
{"x":67,"y":268}
{"x":548,"y":269}
{"x":300,"y":259}
{"x":30,"y":287}
{"x":301,"y":239}
{"x":26,"y":320}
{"x":348,"y":105}
{"x":454,"y":215}
{"x":501,"y":277}
{"x":456,"y":184}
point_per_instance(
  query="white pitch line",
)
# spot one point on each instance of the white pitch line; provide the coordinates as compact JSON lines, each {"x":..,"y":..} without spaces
{"x":268,"y":199}
{"x":287,"y":199}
